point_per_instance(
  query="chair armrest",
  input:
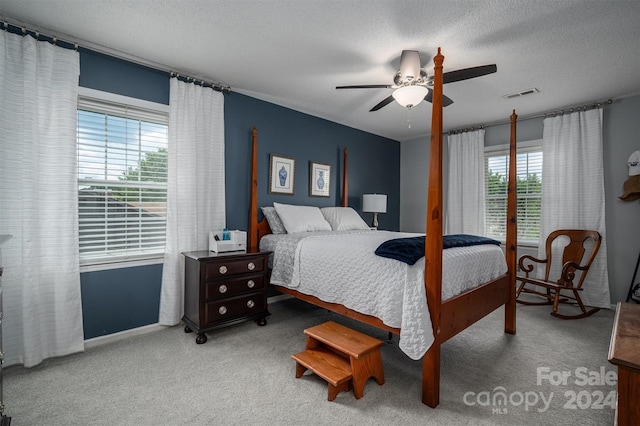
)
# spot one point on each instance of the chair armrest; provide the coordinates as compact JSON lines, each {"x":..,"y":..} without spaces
{"x":569,"y":273}
{"x":528,"y":267}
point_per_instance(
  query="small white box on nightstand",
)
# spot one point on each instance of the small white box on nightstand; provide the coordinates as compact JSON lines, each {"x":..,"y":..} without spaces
{"x":237,"y":241}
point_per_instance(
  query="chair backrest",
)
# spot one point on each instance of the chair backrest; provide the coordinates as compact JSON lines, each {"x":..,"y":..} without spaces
{"x":576,"y":251}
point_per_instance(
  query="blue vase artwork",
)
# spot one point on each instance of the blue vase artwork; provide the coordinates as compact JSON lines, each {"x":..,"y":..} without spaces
{"x":320,"y":181}
{"x":282,"y":175}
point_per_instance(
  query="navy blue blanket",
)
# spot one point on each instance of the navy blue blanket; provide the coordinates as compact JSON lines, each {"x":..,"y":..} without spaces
{"x":410,"y":250}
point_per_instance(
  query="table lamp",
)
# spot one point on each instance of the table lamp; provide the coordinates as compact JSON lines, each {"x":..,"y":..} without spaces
{"x":374,"y":203}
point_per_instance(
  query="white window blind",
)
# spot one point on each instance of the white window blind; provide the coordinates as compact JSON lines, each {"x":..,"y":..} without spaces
{"x":122,"y":181}
{"x":528,"y":189}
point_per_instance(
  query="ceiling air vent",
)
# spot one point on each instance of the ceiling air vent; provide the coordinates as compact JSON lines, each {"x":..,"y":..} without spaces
{"x":522,"y":93}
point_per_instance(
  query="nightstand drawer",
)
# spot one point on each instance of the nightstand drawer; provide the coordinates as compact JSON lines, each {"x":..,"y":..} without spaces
{"x":225,"y":267}
{"x":232,"y":286}
{"x":222,"y":310}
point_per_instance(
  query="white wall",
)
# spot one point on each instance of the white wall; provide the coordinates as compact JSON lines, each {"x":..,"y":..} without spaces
{"x":621,"y":135}
{"x":414,"y":166}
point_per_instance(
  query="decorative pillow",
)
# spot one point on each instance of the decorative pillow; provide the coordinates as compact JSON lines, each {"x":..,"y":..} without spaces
{"x":274,"y":220}
{"x":301,"y":218}
{"x":343,"y":218}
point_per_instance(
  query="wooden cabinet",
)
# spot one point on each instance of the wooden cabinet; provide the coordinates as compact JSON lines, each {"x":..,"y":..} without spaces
{"x":223,"y":289}
{"x":624,"y":351}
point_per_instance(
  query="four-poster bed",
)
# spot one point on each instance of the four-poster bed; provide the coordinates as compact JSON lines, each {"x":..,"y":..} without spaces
{"x":450,"y":316}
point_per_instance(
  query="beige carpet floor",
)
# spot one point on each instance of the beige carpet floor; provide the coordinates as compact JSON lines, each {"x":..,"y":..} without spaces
{"x":552,"y":372}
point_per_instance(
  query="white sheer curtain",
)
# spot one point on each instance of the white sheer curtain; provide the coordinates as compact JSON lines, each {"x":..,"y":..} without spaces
{"x":195,"y":186}
{"x":573,"y":189}
{"x":39,"y":199}
{"x":465,"y":193}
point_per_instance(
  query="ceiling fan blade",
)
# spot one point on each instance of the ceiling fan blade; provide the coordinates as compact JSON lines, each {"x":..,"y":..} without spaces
{"x":366,"y":86}
{"x":467,"y":73}
{"x":386,"y":101}
{"x":445,"y":100}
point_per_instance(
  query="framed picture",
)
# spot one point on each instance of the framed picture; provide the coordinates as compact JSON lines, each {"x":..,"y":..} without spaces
{"x":319,"y":179}
{"x":281,"y":173}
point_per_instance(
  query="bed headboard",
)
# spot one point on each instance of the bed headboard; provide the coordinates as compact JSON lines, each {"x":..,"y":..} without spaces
{"x":258,"y":229}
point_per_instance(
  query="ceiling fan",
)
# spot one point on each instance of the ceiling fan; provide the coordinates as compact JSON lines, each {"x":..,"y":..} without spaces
{"x":411,"y":83}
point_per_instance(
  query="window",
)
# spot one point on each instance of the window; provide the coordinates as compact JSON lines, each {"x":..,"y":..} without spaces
{"x":528,"y":189}
{"x":122,"y":181}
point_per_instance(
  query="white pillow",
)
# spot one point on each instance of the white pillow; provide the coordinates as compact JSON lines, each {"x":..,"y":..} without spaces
{"x":343,"y":218}
{"x":301,"y":218}
{"x":274,"y":220}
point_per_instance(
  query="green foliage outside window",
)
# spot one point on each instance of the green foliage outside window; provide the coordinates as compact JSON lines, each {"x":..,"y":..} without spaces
{"x":528,"y":201}
{"x":152,"y":168}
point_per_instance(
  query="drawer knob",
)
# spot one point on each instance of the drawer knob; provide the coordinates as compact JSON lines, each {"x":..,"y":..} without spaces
{"x":250,"y":304}
{"x":222,"y":288}
{"x":222,"y":310}
{"x":251,"y":266}
{"x":222,"y":269}
{"x":251,"y":283}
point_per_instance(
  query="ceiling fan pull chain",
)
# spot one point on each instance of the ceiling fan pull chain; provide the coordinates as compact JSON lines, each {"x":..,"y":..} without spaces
{"x":409,"y":117}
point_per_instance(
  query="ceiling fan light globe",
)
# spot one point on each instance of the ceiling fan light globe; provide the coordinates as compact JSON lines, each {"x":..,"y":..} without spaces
{"x":410,"y":96}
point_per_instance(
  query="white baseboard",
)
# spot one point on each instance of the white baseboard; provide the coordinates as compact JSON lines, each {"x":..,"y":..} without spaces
{"x":126,"y":334}
{"x":121,"y":335}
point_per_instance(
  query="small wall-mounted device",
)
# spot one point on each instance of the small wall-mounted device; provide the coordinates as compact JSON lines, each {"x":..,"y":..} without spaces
{"x":236,"y":241}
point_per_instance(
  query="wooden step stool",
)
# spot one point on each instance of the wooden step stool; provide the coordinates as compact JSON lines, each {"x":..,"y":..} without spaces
{"x":341,"y":356}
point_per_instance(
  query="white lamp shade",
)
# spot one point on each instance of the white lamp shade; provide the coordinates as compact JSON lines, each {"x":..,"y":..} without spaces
{"x":410,"y":96}
{"x":374,"y":203}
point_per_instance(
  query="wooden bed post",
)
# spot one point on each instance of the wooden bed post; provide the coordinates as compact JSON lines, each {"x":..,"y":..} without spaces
{"x":345,"y":184}
{"x":433,"y":244}
{"x":511,"y":246}
{"x":253,"y":200}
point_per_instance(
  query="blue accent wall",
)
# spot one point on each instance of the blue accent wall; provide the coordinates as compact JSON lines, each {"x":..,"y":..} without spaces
{"x":373,"y":163}
{"x":113,"y":75}
{"x":121,"y":299}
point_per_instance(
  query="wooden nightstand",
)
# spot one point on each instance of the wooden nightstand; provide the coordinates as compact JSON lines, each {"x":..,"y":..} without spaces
{"x":223,"y":289}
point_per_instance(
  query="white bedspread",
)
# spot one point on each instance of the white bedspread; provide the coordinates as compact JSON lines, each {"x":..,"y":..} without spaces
{"x":341,"y":267}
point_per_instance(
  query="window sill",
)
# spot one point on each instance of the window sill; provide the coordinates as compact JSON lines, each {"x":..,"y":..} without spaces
{"x":527,"y":244}
{"x":120,"y":264}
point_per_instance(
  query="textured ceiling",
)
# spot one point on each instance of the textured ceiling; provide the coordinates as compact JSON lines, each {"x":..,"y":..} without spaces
{"x":294,"y":52}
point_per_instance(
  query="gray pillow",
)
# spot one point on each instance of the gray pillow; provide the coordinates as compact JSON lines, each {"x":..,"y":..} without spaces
{"x":274,"y":221}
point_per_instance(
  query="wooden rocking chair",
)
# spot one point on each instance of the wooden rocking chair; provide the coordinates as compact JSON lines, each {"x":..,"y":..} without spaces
{"x":573,"y":259}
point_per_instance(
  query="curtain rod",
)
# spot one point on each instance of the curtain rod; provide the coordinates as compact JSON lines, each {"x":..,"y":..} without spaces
{"x":537,"y":115}
{"x":18,"y":28}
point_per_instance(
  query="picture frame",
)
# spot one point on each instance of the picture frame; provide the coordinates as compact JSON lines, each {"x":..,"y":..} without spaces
{"x":319,"y":179}
{"x":281,"y":174}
